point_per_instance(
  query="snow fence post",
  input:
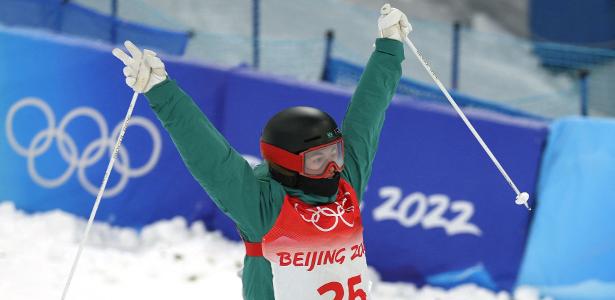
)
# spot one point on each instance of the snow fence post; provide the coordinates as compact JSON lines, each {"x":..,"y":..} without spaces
{"x":584,"y":91}
{"x":455,"y":55}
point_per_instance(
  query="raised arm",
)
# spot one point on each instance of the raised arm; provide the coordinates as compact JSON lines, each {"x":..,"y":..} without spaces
{"x":218,"y":168}
{"x":365,"y":115}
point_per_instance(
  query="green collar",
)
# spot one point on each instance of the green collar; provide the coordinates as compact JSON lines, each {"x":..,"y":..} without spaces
{"x":309,"y":198}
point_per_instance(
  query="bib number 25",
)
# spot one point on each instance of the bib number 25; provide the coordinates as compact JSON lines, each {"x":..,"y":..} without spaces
{"x":337,"y":288}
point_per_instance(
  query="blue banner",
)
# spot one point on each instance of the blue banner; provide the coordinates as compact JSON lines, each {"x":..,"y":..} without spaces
{"x":594,"y":22}
{"x":62,"y":102}
{"x":74,"y":19}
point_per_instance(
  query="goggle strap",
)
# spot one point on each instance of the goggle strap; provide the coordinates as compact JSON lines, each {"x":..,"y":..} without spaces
{"x":282,"y":157}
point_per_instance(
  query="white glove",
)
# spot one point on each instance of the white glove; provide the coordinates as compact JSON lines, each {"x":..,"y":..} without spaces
{"x":393,"y":24}
{"x":143,"y":70}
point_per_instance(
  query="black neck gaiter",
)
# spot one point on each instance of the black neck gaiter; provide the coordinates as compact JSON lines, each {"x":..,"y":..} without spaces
{"x":326,"y":187}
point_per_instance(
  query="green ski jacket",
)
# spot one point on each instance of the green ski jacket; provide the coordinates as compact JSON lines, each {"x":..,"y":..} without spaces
{"x":250,"y":197}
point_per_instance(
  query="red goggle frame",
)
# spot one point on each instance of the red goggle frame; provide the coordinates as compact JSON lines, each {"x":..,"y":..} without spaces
{"x":298,"y":163}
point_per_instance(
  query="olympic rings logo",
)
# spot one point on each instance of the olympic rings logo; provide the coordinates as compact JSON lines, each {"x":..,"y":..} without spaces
{"x":337,"y":214}
{"x":92,"y":153}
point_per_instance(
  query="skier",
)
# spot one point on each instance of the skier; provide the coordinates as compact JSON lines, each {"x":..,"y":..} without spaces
{"x":298,"y":212}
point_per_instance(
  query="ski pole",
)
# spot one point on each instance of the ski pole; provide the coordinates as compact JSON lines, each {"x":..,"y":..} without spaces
{"x":101,"y":191}
{"x":522,"y":198}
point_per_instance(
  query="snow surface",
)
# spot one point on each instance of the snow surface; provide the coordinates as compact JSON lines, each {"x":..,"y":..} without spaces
{"x":166,"y":260}
{"x":494,"y":64}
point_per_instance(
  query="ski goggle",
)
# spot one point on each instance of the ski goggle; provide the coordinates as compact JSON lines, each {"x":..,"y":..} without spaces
{"x":316,"y":162}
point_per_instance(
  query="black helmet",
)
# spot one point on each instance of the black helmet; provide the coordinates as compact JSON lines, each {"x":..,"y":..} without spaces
{"x":295,"y":130}
{"x":299,"y":128}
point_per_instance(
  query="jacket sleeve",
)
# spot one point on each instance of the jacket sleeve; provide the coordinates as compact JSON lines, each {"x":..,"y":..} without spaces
{"x":365,"y":115}
{"x":220,"y":170}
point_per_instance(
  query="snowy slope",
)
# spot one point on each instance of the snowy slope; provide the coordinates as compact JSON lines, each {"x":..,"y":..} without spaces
{"x":509,"y":15}
{"x":167,"y":260}
{"x":495,"y":65}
